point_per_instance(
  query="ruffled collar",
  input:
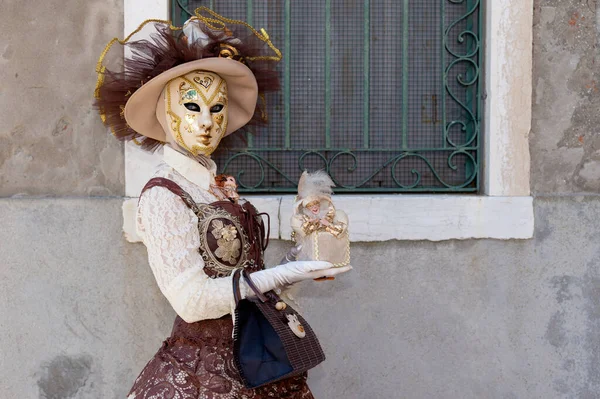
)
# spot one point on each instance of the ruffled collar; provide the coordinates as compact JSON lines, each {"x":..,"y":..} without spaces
{"x":190,"y":168}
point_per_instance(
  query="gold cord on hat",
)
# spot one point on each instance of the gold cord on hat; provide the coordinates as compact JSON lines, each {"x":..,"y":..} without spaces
{"x":219,"y":22}
{"x":101,"y":69}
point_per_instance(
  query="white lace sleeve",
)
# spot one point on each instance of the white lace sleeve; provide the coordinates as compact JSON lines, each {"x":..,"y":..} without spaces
{"x":170,"y":232}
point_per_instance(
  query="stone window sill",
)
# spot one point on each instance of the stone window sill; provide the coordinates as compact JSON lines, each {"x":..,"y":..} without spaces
{"x":401,"y":217}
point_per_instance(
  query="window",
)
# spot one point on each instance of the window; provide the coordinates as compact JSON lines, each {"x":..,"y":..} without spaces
{"x":502,"y":208}
{"x":384,"y":95}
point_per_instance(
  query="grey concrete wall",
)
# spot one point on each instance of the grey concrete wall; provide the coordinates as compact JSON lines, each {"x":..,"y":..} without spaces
{"x":52,"y":142}
{"x":81,"y":313}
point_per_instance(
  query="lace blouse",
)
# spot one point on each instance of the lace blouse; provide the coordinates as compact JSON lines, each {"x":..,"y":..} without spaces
{"x":169,"y":229}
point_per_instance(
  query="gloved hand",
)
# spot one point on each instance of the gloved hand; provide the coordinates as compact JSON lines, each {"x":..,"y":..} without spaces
{"x":293,"y":272}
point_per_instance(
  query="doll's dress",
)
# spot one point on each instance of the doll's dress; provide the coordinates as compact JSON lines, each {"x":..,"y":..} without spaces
{"x":318,"y":242}
{"x":196,"y":361}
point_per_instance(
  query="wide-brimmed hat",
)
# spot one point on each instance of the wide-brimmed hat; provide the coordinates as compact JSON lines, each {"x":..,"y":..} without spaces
{"x":129,"y":99}
{"x":242,"y":92}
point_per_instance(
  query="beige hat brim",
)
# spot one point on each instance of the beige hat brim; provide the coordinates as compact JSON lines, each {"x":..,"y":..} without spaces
{"x":242,"y":93}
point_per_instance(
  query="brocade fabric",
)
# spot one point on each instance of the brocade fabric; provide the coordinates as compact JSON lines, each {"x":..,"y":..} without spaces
{"x":196,"y":362}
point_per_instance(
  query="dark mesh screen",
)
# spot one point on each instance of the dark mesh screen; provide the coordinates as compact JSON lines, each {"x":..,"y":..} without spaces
{"x":383,"y":94}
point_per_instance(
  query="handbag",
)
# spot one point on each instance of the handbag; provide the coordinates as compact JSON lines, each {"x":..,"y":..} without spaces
{"x":271,"y":341}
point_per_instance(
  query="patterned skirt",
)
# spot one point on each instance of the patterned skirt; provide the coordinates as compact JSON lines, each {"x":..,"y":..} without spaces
{"x":196,"y":362}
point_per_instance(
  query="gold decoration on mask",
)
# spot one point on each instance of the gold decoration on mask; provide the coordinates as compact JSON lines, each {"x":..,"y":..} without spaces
{"x":222,"y":97}
{"x":189,"y":118}
{"x":187,"y":94}
{"x":188,"y":91}
{"x":206,"y":100}
{"x":175,"y":122}
{"x":220,"y":116}
{"x":205,"y":81}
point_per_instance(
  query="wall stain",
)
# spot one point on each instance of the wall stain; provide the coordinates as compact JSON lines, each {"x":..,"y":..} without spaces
{"x":64,"y":376}
{"x":556,"y":333}
{"x":591,"y":293}
{"x":543,"y":230}
{"x":18,"y":130}
{"x":63,"y":126}
{"x":565,"y":332}
{"x":562,"y":285}
{"x":8,"y":52}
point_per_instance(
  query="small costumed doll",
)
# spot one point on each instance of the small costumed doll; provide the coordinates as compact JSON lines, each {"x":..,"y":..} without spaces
{"x":185,"y":88}
{"x":320,"y":230}
{"x":225,"y":188}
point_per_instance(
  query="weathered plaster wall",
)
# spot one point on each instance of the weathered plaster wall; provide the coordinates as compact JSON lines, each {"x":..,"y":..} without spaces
{"x":51,"y":141}
{"x":565,"y":138}
{"x":81,"y":313}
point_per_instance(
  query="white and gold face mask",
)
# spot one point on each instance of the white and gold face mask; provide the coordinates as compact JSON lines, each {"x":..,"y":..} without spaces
{"x":196,"y":108}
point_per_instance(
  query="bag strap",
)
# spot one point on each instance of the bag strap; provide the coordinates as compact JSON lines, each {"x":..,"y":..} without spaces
{"x":235,"y":280}
{"x":264,"y":239}
{"x":172,"y":187}
{"x":252,"y":286}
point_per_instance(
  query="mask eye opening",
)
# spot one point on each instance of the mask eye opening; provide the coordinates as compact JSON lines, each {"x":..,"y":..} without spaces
{"x":216,"y":108}
{"x":192,"y":107}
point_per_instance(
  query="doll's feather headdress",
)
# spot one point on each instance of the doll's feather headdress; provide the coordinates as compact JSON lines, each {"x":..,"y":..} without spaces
{"x":315,"y":185}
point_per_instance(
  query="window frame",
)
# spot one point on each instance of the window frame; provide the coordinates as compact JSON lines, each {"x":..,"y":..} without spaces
{"x":504,"y":209}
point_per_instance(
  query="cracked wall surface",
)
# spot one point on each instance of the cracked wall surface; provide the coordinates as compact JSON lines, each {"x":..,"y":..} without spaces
{"x":52,"y":141}
{"x":565,"y":137}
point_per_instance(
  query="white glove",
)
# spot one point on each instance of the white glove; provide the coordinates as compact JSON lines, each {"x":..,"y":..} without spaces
{"x":293,"y":272}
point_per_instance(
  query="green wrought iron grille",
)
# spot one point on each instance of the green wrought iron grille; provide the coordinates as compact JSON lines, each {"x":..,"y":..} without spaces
{"x":383,"y":94}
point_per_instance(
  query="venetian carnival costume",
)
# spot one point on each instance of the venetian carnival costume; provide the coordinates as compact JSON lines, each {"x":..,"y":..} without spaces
{"x":186,"y":89}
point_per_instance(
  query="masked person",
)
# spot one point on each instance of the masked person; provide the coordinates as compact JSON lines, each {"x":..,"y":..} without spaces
{"x":186,"y":89}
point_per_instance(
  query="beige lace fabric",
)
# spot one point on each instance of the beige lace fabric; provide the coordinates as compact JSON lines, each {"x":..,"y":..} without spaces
{"x":169,"y":229}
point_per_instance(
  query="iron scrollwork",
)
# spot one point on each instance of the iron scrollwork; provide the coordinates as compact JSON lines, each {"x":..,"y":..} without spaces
{"x":404,"y":169}
{"x":260,"y":163}
{"x":469,"y":80}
